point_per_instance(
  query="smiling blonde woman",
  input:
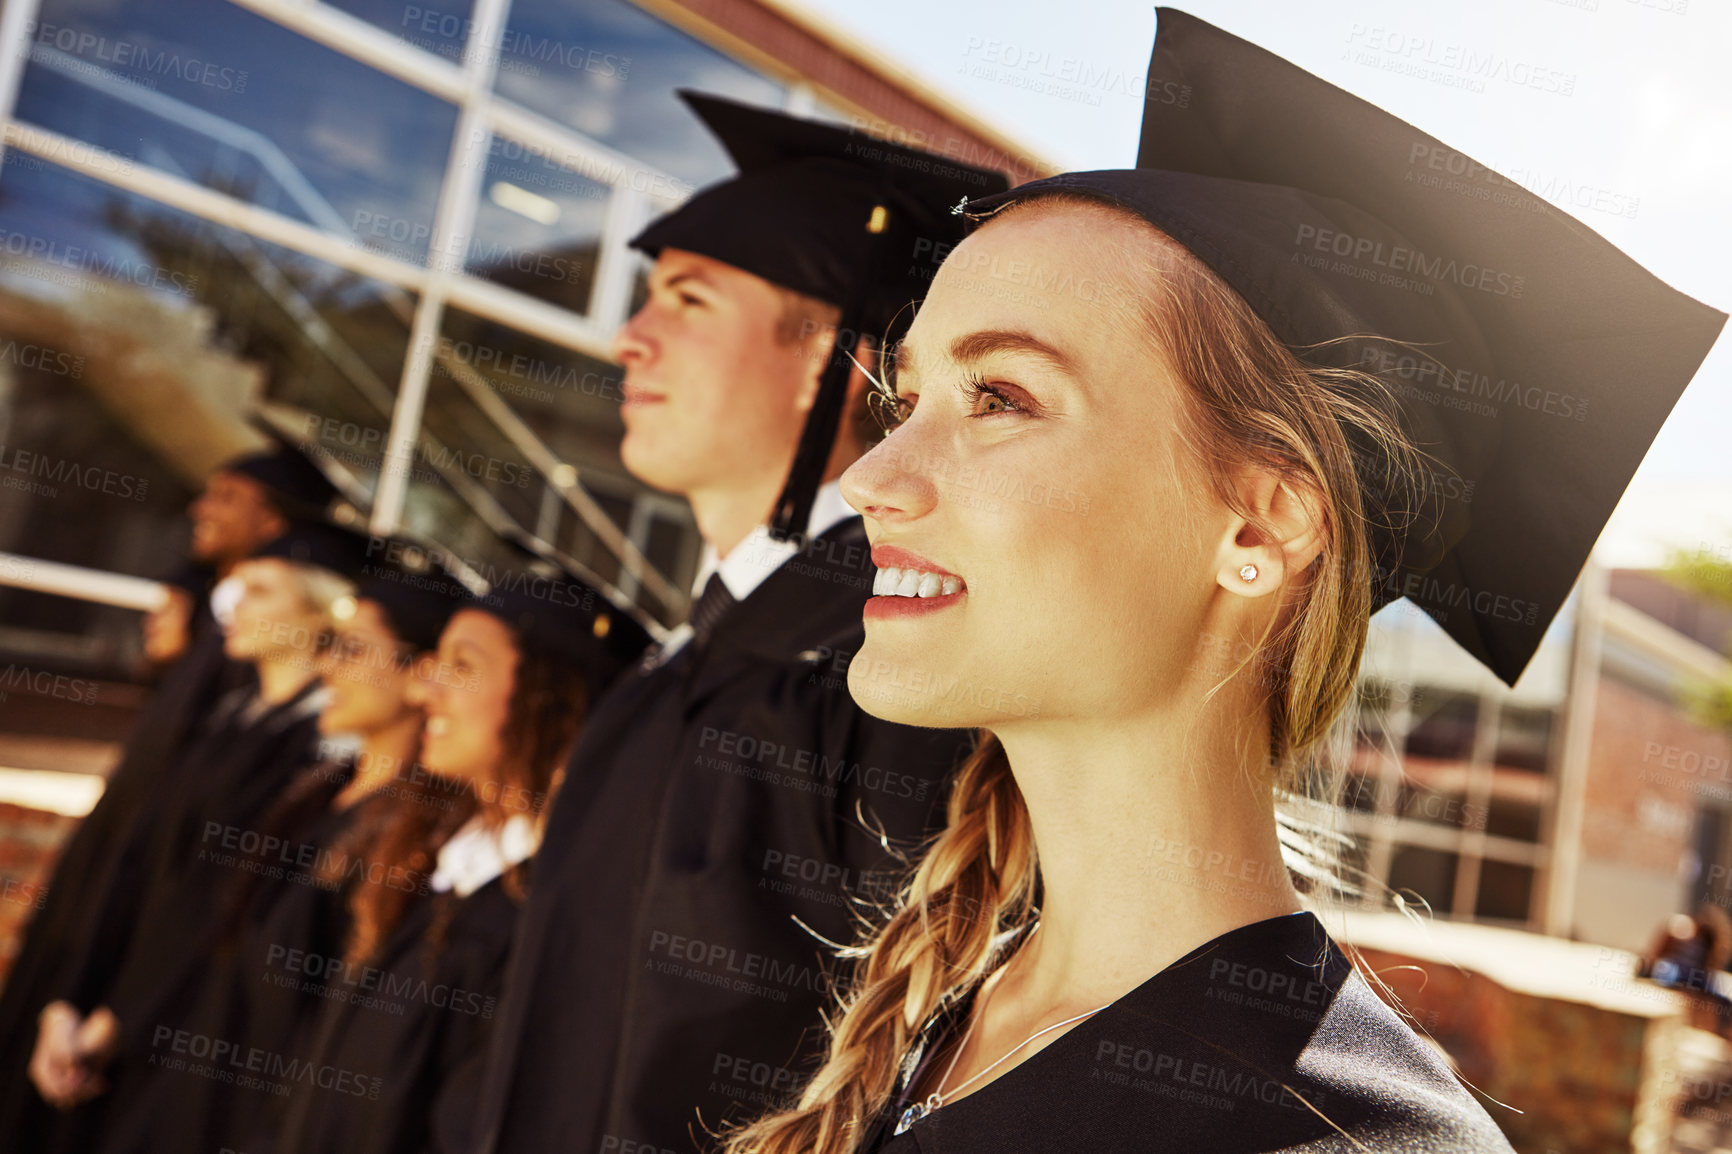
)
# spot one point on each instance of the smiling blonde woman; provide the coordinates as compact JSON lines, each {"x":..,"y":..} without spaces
{"x":1106,"y":950}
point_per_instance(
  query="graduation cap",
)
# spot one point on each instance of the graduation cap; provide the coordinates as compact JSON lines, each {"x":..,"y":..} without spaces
{"x":296,"y":487}
{"x":833,"y":214}
{"x":568,"y":621}
{"x":1528,"y":356}
{"x":416,"y":613}
{"x":323,"y":546}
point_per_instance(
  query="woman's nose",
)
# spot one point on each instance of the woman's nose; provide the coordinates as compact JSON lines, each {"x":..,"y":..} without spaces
{"x":896,"y":479}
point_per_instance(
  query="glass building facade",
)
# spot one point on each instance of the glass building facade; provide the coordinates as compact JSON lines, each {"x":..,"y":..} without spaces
{"x":397,"y":230}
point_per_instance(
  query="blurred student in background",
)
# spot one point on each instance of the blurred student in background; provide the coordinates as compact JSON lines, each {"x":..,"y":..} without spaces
{"x":421,"y":967}
{"x":150,"y":920}
{"x":246,"y":504}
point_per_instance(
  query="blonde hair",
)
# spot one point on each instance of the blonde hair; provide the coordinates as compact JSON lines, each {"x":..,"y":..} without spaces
{"x":1253,"y":401}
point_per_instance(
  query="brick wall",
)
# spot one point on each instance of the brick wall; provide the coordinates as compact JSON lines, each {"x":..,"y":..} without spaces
{"x":30,"y":843}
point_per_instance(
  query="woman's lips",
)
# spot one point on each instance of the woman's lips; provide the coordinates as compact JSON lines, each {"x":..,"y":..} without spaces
{"x":908,"y":585}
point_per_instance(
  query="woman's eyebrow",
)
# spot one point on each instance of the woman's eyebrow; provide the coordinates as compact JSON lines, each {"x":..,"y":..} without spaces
{"x":978,"y":346}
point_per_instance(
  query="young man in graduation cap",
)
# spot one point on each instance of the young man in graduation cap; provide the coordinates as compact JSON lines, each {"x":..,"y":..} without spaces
{"x":726,"y":814}
{"x":247,"y":503}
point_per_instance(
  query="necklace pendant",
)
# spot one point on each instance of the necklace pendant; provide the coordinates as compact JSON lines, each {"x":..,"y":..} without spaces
{"x":916,"y":1112}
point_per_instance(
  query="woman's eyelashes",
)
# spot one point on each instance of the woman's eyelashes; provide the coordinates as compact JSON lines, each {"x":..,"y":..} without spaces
{"x":984,"y":398}
{"x":990,"y":398}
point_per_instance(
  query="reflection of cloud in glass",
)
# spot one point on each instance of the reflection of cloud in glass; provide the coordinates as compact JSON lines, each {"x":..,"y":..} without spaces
{"x":524,"y":203}
{"x":370,"y":147}
{"x":609,"y":70}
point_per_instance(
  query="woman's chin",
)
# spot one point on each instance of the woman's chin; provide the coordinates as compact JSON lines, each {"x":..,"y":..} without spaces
{"x":884,"y":692}
{"x":906,"y":688}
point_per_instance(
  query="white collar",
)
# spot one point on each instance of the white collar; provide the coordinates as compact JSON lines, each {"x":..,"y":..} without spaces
{"x":755,"y":558}
{"x":478,"y":853}
{"x":751,"y":561}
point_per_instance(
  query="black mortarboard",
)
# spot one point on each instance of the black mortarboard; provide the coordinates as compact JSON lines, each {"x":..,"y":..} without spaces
{"x":1529,"y":356}
{"x":296,"y":486}
{"x":341,"y":551}
{"x":566,"y":620}
{"x":417,"y":613}
{"x":829,"y":213}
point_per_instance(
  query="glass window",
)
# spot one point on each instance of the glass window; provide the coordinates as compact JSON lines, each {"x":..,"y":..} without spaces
{"x":1443,"y":724}
{"x":538,"y":228}
{"x":569,"y":402}
{"x":1505,"y":891}
{"x":1524,"y":739}
{"x":609,"y":69}
{"x":208,"y":91}
{"x":139,"y":342}
{"x":437,"y":26}
{"x":1429,"y":873}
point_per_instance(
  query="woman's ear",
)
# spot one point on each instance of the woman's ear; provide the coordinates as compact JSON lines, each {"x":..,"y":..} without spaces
{"x":1282,"y":531}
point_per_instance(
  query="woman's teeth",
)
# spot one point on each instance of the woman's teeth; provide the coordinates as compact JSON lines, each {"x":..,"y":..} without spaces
{"x":894,"y":582}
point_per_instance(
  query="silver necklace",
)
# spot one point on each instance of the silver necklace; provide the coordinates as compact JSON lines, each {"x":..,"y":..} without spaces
{"x":934,"y":1100}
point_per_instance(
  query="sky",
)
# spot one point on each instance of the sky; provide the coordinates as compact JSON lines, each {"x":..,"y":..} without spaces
{"x":1625,"y":120}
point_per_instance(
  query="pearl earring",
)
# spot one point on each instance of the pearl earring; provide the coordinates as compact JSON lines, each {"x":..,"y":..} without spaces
{"x":1248,"y":573}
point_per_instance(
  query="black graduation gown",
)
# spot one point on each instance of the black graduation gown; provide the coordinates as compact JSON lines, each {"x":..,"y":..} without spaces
{"x":249,"y":991}
{"x":709,"y":804}
{"x":384,"y":1053}
{"x":1252,"y":1043}
{"x":58,"y":934}
{"x":154,"y":920}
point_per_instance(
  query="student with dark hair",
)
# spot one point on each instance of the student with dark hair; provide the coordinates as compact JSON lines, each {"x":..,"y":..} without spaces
{"x":1115,"y":944}
{"x":420,"y":970}
{"x":247,"y":503}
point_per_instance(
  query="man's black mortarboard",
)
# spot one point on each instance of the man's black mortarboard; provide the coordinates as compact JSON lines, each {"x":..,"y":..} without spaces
{"x":1528,"y":356}
{"x":830,"y":213}
{"x":566,"y":620}
{"x":341,"y":551}
{"x":296,"y":486}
